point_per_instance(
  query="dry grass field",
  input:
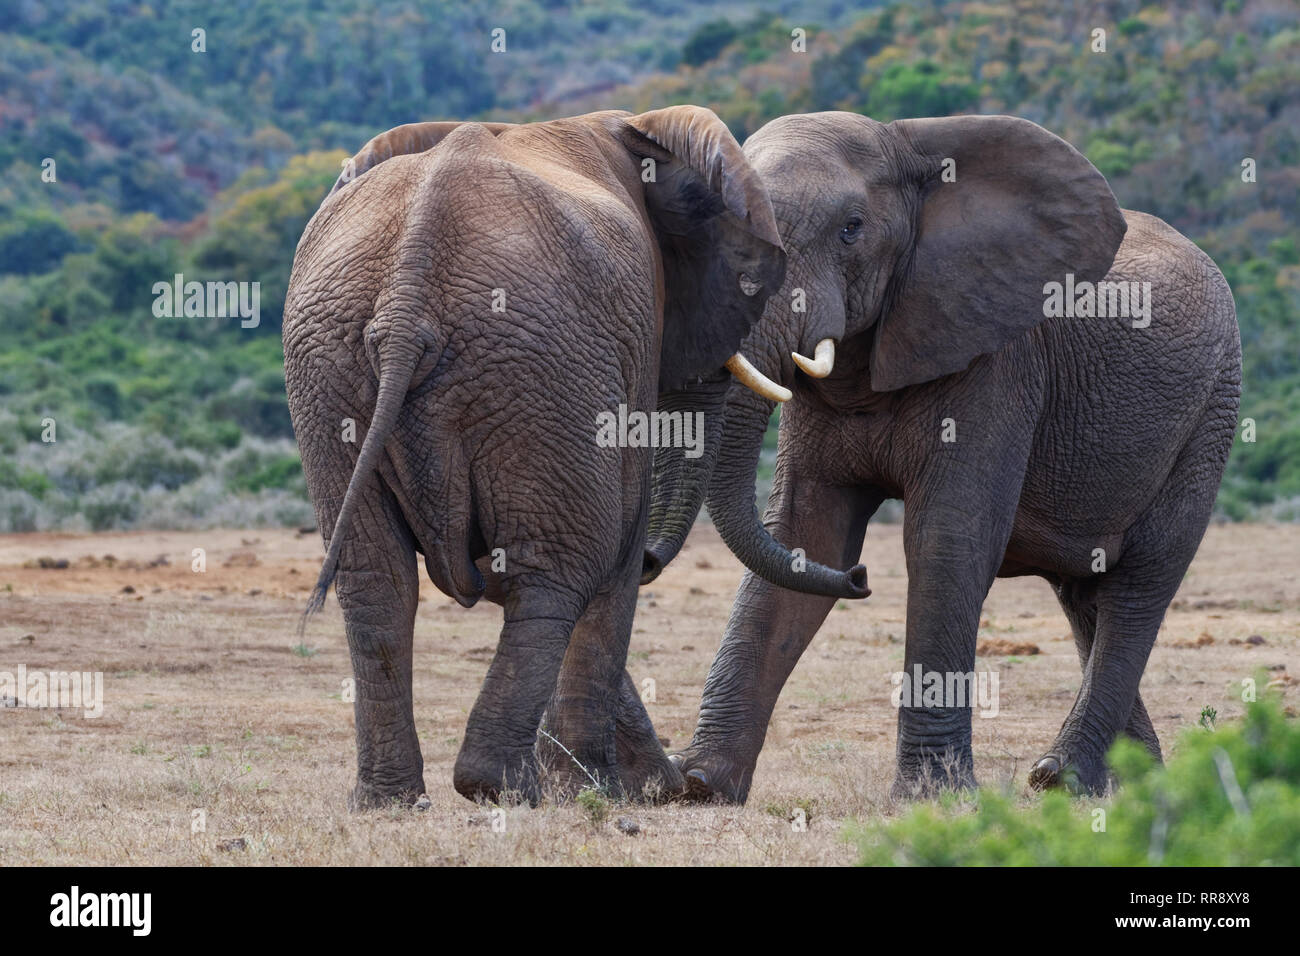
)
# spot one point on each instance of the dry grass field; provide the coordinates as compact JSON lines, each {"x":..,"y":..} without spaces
{"x":209,"y":706}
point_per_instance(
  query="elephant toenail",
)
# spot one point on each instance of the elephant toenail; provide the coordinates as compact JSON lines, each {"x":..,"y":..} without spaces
{"x":1046,"y":772}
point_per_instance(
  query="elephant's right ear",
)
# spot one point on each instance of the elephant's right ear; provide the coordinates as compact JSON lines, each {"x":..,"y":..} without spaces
{"x":713,"y":221}
{"x":1024,"y":208}
{"x":399,"y":141}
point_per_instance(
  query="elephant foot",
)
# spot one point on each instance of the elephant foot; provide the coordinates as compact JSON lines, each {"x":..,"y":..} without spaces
{"x":650,"y":777}
{"x":497,"y":778}
{"x":1077,"y":776}
{"x":578,"y":753}
{"x":367,"y":795}
{"x":933,"y":771}
{"x":637,"y":774}
{"x":709,"y":779}
{"x":565,"y":775}
{"x":612,"y":740}
{"x":907,"y":788}
{"x":1046,"y":774}
{"x":561,"y":784}
{"x":645,"y":771}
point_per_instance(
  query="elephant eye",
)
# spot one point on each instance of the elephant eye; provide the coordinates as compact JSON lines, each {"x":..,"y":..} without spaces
{"x":851,"y":231}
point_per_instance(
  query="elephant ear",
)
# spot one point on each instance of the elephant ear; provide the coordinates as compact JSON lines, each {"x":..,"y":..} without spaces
{"x":399,"y":141}
{"x":1025,"y":209}
{"x":722,"y":254}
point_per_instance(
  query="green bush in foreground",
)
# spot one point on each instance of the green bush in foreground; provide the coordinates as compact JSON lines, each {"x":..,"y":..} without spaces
{"x":1230,"y":797}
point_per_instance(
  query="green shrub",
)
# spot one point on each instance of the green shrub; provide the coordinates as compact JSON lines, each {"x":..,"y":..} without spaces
{"x":708,"y":41}
{"x":145,"y":459}
{"x":34,"y":483}
{"x":258,"y":407}
{"x":284,"y":471}
{"x":105,"y":394}
{"x":111,"y":506}
{"x":34,"y":241}
{"x":1230,"y":797}
{"x":595,"y":804}
{"x":209,"y":436}
{"x":918,"y":89}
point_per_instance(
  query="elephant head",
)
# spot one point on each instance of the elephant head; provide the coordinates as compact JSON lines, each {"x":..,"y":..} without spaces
{"x":704,"y":316}
{"x":916,"y":246}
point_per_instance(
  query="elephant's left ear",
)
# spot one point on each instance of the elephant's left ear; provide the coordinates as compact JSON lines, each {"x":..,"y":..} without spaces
{"x":713,"y":221}
{"x":1017,"y":209}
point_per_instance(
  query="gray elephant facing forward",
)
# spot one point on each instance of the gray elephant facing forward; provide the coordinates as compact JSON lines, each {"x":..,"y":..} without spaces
{"x":956,"y":351}
{"x":474,"y":297}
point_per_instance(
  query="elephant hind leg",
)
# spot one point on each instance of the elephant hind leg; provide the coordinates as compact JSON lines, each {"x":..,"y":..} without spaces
{"x":644,"y":768}
{"x":596,"y":725}
{"x":1079,"y":601}
{"x":1131,"y":600}
{"x":378,"y":587}
{"x":1130,"y":607}
{"x":498,"y":755}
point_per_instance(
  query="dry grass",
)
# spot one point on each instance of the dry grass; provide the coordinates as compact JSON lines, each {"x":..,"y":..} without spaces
{"x":208,"y":706}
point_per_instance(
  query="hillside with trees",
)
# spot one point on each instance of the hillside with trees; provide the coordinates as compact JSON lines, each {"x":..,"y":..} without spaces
{"x":210,"y":163}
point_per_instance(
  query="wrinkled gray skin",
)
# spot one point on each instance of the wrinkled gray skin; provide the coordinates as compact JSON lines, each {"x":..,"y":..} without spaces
{"x":478,"y":427}
{"x":1072,"y":434}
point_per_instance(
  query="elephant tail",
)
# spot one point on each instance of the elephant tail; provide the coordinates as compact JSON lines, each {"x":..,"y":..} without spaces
{"x":396,"y":360}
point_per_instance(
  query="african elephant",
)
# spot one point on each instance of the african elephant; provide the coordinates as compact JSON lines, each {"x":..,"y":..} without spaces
{"x":470,"y":299}
{"x":966,"y":358}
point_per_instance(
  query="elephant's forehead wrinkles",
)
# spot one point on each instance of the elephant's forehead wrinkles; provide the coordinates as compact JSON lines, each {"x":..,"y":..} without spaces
{"x":845,"y":136}
{"x":797,"y":161}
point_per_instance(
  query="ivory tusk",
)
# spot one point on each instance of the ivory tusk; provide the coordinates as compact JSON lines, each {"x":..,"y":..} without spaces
{"x":755,"y":380}
{"x":821,"y":364}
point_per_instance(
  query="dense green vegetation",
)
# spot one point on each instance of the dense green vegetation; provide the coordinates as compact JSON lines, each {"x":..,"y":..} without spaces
{"x":159,"y":421}
{"x":209,"y":164}
{"x":1228,"y":797}
{"x":1183,"y":93}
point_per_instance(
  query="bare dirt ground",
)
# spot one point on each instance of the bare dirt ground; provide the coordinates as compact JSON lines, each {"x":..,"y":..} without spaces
{"x":209,"y":707}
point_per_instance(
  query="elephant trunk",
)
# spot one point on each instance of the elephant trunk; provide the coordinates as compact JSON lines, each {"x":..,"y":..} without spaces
{"x":732,"y":507}
{"x":680,"y":476}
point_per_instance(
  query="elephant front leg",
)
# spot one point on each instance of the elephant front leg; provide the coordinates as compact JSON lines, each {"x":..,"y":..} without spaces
{"x":768,"y":631}
{"x":934,"y":729}
{"x":950,"y":567}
